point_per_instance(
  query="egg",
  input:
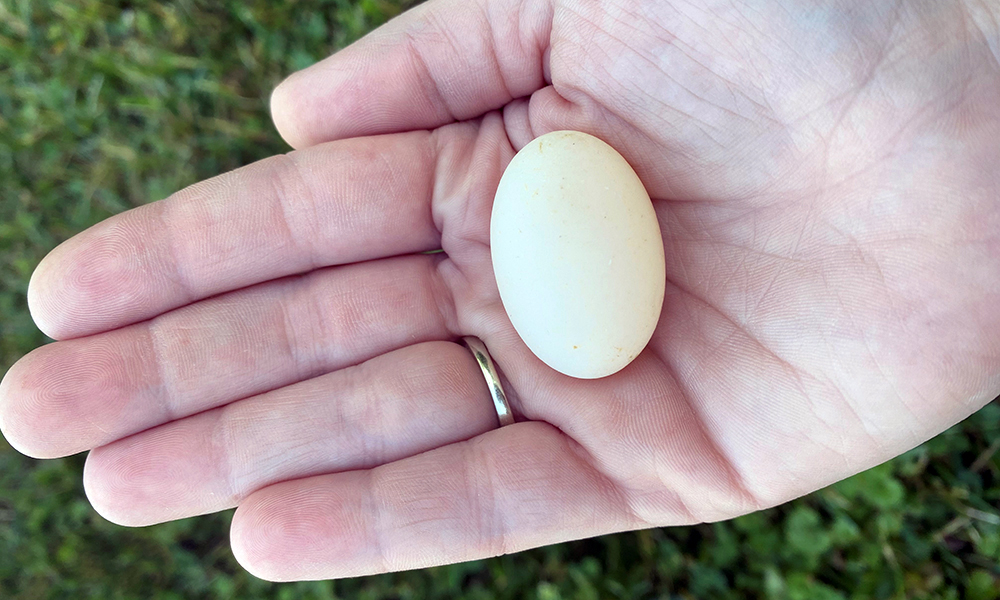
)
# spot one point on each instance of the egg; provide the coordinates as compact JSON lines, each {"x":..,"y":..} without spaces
{"x":577,"y":254}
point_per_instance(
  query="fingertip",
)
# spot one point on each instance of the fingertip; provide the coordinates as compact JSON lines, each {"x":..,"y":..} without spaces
{"x":38,"y":296}
{"x":67,"y":280}
{"x":7,"y":394}
{"x":285,"y":111}
{"x":67,"y":397}
{"x":120,"y":482}
{"x":112,"y":484}
{"x":247,"y":548}
{"x":517,"y":124}
{"x":349,"y":95}
{"x":24,"y":420}
{"x":305,"y":529}
{"x":262,"y":537}
{"x":102,"y":278}
{"x":95,"y":488}
{"x":324,"y":102}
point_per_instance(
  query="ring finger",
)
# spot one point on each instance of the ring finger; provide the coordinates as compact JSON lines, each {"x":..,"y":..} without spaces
{"x":390,"y":407}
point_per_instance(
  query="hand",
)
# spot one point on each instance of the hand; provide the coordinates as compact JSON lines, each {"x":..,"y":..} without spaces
{"x":274,"y":339}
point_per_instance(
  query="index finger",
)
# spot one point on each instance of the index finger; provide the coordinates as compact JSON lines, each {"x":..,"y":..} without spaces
{"x":343,"y":202}
{"x":439,"y":62}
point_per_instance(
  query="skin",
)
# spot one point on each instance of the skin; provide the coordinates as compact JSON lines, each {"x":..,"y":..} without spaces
{"x":824,"y":174}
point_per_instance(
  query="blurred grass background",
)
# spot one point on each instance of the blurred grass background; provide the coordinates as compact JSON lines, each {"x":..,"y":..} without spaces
{"x":107,"y":105}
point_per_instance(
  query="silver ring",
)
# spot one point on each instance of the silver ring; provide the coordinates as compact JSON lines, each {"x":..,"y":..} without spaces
{"x":478,"y":349}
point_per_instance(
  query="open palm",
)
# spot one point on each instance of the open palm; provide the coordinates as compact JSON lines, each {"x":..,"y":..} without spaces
{"x":275,"y":338}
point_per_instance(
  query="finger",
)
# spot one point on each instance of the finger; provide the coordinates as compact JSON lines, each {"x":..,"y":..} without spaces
{"x":390,"y":407}
{"x":514,"y":488}
{"x":344,"y":202}
{"x":74,"y":395}
{"x":443,"y":61}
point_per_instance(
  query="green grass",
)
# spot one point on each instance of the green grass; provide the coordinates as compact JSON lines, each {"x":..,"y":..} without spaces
{"x":107,"y":105}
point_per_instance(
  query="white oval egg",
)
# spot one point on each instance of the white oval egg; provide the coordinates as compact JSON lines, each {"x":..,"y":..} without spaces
{"x":577,"y":254}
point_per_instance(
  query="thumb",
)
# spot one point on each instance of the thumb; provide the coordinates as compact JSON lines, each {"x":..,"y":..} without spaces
{"x":442,"y":61}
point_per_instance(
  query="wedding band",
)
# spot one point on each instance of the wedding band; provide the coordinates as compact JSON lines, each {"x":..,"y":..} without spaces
{"x":478,"y":349}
